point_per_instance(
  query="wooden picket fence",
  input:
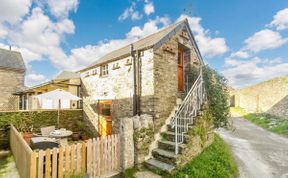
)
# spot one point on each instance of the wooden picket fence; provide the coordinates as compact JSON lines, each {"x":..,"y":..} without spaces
{"x":96,"y":157}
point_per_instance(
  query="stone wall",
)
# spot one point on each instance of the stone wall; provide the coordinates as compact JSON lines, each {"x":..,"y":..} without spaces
{"x":118,"y":87}
{"x":143,"y":136}
{"x":10,"y":80}
{"x":126,"y":143}
{"x":270,"y":96}
{"x":199,"y":137}
{"x":158,"y":82}
{"x":166,"y":75}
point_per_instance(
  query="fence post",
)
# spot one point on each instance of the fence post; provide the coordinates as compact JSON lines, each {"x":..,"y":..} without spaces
{"x":33,"y":165}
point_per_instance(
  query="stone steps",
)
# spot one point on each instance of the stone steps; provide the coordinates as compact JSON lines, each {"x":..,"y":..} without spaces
{"x":156,"y":165}
{"x":172,"y":129}
{"x":170,"y":136}
{"x":165,"y":156}
{"x":169,"y":146}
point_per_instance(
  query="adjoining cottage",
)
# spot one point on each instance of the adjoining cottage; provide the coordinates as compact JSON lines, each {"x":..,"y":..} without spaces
{"x":146,"y":77}
{"x":12,"y":73}
{"x":68,"y":81}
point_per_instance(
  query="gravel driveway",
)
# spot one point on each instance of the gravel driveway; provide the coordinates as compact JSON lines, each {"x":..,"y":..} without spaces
{"x":258,"y":153}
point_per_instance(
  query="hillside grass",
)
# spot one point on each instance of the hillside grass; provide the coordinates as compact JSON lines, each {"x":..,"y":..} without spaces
{"x":267,"y":121}
{"x":215,"y":161}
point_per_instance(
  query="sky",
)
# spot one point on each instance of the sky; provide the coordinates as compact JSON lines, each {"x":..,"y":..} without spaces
{"x":246,"y":41}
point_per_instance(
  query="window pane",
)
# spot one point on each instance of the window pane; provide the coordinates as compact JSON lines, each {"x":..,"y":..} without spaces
{"x":106,"y":110}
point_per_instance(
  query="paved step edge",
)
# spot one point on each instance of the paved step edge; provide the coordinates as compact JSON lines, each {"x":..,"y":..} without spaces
{"x":154,"y":164}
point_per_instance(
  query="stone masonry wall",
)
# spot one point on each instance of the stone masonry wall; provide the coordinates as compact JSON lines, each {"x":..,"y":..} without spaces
{"x":166,"y":75}
{"x":118,"y":87}
{"x":10,"y":80}
{"x":158,"y":83}
{"x":270,"y":96}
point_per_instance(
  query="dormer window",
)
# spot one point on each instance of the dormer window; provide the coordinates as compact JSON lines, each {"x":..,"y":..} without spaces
{"x":104,"y":70}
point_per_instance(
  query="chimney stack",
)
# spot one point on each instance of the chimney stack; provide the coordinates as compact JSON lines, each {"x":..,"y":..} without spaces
{"x":10,"y":47}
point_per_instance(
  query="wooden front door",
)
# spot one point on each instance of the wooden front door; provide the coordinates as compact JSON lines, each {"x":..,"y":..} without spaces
{"x":180,"y":70}
{"x":105,"y":118}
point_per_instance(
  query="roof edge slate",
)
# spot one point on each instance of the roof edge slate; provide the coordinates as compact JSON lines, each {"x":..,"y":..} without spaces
{"x":178,"y":26}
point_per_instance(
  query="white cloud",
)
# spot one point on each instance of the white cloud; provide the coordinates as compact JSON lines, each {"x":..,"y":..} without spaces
{"x":280,"y":20}
{"x":3,"y":31}
{"x":136,"y":15}
{"x":83,"y":56}
{"x":37,"y":33}
{"x":32,"y":79}
{"x":242,"y":73}
{"x":130,"y":12}
{"x":148,"y":28}
{"x":264,"y":39}
{"x":12,"y":11}
{"x":149,"y":8}
{"x":208,"y":46}
{"x":61,"y":8}
{"x":65,"y":26}
{"x":240,"y":54}
{"x":39,"y":36}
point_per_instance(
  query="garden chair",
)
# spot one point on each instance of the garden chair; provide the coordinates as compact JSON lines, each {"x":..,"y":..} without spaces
{"x":45,"y":131}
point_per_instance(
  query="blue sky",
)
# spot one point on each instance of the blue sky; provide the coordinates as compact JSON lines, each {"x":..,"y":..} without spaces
{"x":246,"y":41}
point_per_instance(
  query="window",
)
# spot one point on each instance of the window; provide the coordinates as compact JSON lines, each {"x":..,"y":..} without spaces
{"x":104,"y":70}
{"x":116,"y":66}
{"x":94,"y":72}
{"x":106,"y":109}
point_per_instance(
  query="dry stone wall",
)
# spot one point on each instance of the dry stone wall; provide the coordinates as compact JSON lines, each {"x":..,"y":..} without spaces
{"x":270,"y":97}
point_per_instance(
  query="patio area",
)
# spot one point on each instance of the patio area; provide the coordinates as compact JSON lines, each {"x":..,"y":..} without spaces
{"x":51,"y":137}
{"x":48,"y":156}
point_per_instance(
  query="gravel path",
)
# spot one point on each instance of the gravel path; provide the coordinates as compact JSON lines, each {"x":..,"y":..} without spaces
{"x":258,"y":153}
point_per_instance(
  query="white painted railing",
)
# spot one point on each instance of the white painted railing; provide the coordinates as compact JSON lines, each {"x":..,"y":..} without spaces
{"x":187,"y":111}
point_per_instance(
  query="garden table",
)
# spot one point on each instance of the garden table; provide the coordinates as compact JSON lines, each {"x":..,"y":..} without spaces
{"x":62,"y":135}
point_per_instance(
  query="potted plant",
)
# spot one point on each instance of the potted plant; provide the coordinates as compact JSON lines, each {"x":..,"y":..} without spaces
{"x":27,"y":135}
{"x":76,"y":136}
{"x":26,"y":127}
{"x":83,"y":132}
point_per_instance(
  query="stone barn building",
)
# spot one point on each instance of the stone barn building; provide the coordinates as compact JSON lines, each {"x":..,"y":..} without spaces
{"x":158,"y":80}
{"x":12,"y":73}
{"x":146,"y":77}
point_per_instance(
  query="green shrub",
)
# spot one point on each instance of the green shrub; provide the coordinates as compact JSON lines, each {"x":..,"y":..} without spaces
{"x":203,"y":125}
{"x":217,"y":96}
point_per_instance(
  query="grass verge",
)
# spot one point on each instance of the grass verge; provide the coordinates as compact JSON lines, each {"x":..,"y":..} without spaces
{"x":272,"y":123}
{"x":214,"y":161}
{"x":130,"y":172}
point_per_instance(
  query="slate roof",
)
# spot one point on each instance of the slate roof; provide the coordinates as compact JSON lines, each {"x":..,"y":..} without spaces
{"x":11,"y":59}
{"x":65,"y":75}
{"x":153,"y":40}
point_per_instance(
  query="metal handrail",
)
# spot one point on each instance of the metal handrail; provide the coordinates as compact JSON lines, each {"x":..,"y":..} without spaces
{"x":188,"y":110}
